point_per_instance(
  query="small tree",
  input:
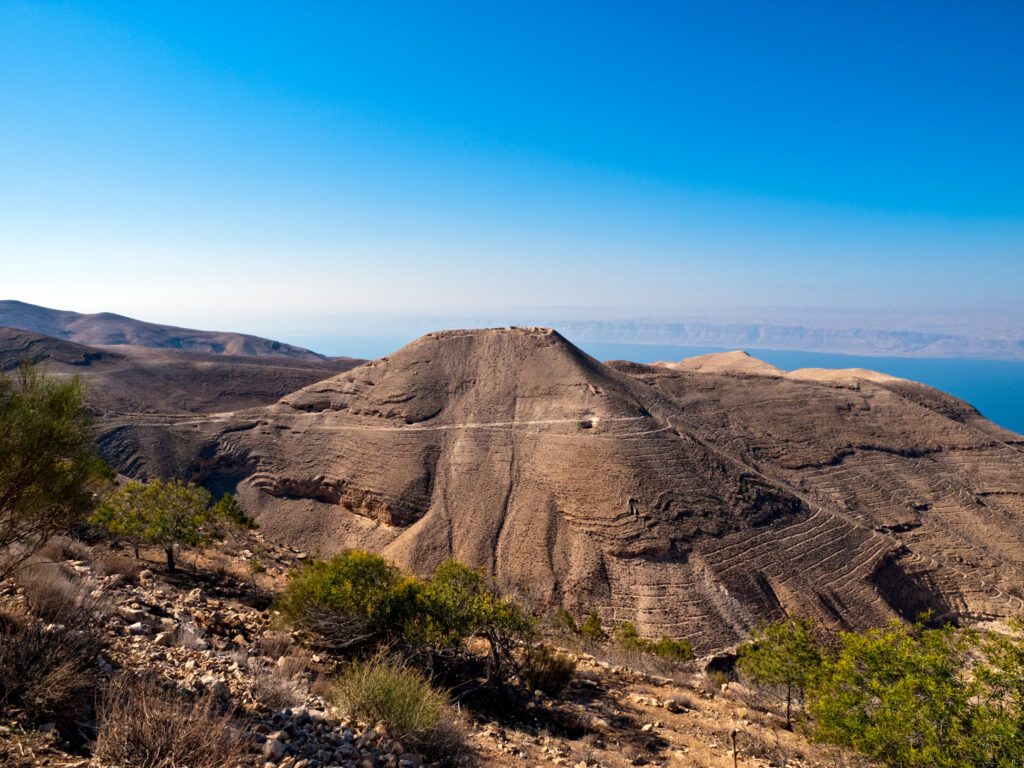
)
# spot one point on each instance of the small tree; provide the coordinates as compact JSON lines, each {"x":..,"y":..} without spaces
{"x":123,"y":514}
{"x":48,"y":472}
{"x":900,"y":695}
{"x":458,"y":603}
{"x":783,"y":654}
{"x":231,"y":514}
{"x":168,"y":515}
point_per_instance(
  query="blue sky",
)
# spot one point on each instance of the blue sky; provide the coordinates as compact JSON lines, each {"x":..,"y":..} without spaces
{"x":252,"y":164}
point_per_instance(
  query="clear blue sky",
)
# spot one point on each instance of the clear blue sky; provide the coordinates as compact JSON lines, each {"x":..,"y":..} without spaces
{"x":197,"y":161}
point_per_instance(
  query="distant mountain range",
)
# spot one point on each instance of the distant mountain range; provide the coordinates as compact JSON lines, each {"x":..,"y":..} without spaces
{"x":108,"y":329}
{"x":805,"y":338}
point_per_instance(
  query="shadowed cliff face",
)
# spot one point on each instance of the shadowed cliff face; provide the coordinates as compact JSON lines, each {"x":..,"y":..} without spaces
{"x":696,"y":499}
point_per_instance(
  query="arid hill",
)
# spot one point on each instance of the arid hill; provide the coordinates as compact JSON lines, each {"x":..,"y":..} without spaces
{"x":108,"y":329}
{"x":132,"y":380}
{"x":694,"y":500}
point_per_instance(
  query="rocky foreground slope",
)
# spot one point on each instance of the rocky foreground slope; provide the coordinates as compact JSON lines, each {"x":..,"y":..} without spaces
{"x":208,"y":630}
{"x":695,"y":500}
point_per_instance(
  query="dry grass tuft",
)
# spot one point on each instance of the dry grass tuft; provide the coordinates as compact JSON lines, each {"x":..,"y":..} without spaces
{"x":143,"y":725}
{"x":61,"y":548}
{"x":57,"y":596}
{"x":114,"y":564}
{"x":279,"y":686}
{"x":273,"y":644}
{"x":388,"y":691}
{"x":189,"y":635}
{"x":546,"y":670}
{"x":683,"y":702}
{"x":47,"y":672}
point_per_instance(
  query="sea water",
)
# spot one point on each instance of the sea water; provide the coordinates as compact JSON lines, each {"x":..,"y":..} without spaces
{"x":994,"y":387}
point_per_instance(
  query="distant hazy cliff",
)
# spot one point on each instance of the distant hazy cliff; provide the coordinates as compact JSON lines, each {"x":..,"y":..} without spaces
{"x":863,"y":341}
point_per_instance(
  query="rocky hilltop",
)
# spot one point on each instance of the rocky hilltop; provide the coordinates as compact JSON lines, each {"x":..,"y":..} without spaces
{"x":696,"y":499}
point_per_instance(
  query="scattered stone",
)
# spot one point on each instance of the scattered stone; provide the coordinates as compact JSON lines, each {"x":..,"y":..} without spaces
{"x":273,"y":750}
{"x":132,"y":615}
{"x":164,"y":639}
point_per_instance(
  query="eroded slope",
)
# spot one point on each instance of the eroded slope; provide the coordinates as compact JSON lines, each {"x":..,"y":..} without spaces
{"x":695,"y":501}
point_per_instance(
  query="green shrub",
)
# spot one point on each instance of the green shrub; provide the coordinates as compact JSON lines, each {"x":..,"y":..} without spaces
{"x":354,"y":599}
{"x":452,"y":606}
{"x":784,"y":656}
{"x":458,"y":603}
{"x":544,"y":669}
{"x":900,"y":695}
{"x":563,"y":621}
{"x":591,"y":628}
{"x":359,"y":599}
{"x":673,"y":650}
{"x":388,"y":691}
{"x":626,"y":635}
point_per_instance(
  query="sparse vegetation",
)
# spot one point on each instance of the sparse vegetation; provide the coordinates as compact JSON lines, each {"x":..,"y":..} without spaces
{"x":168,"y":515}
{"x":279,"y":686}
{"x":387,"y":690}
{"x":783,"y":656}
{"x":57,"y":597}
{"x":627,"y":636}
{"x":544,"y":669}
{"x":142,"y":724}
{"x":47,"y":671}
{"x":48,"y":472}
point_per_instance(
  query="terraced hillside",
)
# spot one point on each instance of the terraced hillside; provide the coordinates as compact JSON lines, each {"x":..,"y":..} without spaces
{"x":694,"y":499}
